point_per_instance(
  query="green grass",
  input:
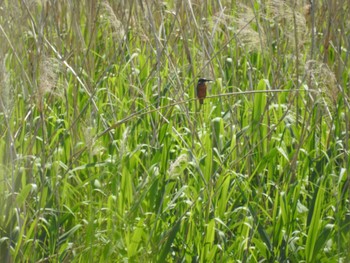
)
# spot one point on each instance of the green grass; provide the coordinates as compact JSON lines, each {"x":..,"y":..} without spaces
{"x":107,"y":156}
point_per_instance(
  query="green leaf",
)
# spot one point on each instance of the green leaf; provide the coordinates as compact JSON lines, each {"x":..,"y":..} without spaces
{"x":20,"y":199}
{"x":170,"y":238}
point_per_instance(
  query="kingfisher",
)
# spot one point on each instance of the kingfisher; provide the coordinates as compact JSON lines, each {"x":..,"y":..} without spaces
{"x":202,"y":89}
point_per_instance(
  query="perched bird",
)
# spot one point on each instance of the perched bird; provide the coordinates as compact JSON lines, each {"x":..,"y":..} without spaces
{"x":202,"y":89}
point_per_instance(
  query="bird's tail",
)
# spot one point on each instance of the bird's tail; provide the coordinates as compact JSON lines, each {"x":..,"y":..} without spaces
{"x":201,"y":101}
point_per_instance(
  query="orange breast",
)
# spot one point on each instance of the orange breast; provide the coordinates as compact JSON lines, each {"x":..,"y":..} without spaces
{"x":201,"y":91}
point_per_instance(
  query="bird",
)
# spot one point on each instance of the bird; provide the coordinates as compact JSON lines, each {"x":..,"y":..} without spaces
{"x":202,"y":89}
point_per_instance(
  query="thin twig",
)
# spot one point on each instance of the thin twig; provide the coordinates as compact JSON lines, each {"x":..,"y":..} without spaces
{"x":142,"y":112}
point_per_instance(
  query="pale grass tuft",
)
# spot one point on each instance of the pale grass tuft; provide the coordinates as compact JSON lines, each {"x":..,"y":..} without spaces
{"x":251,"y":35}
{"x":175,"y":167}
{"x":322,"y":78}
{"x":49,"y":69}
{"x":307,"y":14}
{"x":5,"y":96}
{"x":284,"y":15}
{"x":109,"y":17}
{"x":307,"y":10}
{"x":48,"y":81}
{"x":222,"y":23}
{"x":124,"y":141}
{"x":95,"y":148}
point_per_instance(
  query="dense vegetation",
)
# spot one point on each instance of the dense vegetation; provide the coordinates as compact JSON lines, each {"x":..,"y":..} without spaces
{"x":107,"y":156}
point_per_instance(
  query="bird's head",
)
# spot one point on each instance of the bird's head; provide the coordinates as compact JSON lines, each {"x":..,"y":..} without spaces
{"x":202,"y":80}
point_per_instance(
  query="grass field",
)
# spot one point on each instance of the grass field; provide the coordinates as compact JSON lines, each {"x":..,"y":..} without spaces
{"x":107,"y":156}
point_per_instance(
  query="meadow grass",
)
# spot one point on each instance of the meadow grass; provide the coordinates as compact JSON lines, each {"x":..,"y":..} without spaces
{"x":107,"y":156}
